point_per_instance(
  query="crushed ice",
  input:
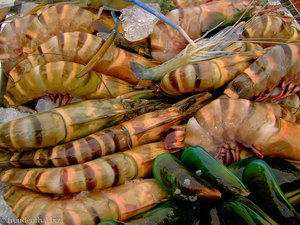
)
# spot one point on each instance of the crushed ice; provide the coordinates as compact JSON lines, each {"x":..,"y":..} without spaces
{"x":177,"y":191}
{"x":45,"y":104}
{"x":193,"y":198}
{"x":8,"y":114}
{"x":198,"y":173}
{"x":187,"y":182}
{"x":6,"y":214}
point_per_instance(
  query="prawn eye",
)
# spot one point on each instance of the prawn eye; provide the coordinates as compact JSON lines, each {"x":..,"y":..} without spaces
{"x":187,"y":105}
{"x":192,"y":101}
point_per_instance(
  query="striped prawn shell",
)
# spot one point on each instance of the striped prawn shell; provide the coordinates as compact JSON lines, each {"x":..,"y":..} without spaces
{"x":205,"y":76}
{"x":12,"y":40}
{"x":101,"y":173}
{"x":68,"y":123}
{"x":56,"y":19}
{"x":166,"y":42}
{"x":80,"y":47}
{"x":279,"y":64}
{"x":119,"y":203}
{"x":60,"y":78}
{"x":98,"y":144}
{"x":270,"y":28}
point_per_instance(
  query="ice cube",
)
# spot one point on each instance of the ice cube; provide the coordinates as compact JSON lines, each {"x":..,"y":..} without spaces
{"x":137,"y":22}
{"x":44,"y":105}
{"x":26,"y":7}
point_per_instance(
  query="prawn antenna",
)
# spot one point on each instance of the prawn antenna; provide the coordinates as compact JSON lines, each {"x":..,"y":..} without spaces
{"x":89,"y":66}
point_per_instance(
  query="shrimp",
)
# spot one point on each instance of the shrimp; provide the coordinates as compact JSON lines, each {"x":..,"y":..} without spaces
{"x":208,"y":48}
{"x":89,"y":208}
{"x":101,"y":173}
{"x":166,"y":43}
{"x":224,"y":124}
{"x":68,"y":122}
{"x":146,"y":128}
{"x":22,"y":35}
{"x":56,"y":19}
{"x":207,"y":75}
{"x":269,"y":29}
{"x":278,"y":67}
{"x":61,"y":78}
{"x":80,"y":47}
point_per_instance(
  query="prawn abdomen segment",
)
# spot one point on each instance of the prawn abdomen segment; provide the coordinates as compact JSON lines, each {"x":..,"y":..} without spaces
{"x":25,"y":133}
{"x":283,"y":141}
{"x":152,"y":126}
{"x":90,"y":117}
